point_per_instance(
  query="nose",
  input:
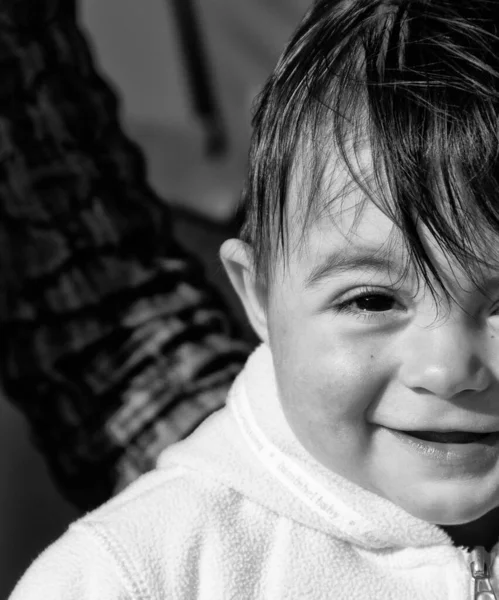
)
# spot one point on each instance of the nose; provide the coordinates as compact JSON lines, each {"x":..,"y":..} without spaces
{"x":445,"y":360}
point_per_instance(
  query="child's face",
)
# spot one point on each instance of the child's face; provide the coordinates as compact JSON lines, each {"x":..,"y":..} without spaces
{"x":359,"y":361}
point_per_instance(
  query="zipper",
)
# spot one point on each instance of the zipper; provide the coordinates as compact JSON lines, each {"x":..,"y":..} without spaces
{"x":480,"y":570}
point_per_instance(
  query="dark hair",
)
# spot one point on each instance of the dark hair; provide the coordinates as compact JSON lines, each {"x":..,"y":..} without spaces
{"x":420,"y":81}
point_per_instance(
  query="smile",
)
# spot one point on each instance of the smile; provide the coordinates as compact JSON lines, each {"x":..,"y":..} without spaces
{"x":470,"y":451}
{"x":448,"y":437}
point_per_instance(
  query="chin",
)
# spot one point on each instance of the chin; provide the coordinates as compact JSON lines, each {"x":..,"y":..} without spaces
{"x":453,"y":507}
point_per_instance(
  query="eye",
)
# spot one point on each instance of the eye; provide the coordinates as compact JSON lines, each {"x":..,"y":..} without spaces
{"x":373,"y":303}
{"x":369,"y":304}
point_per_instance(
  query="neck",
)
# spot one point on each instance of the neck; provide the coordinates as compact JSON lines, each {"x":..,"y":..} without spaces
{"x":482,"y":532}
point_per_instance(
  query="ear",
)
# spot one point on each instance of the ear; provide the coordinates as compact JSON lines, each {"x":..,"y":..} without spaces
{"x":237,"y":258}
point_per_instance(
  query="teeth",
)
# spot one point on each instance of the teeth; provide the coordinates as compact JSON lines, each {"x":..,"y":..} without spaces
{"x":448,"y":437}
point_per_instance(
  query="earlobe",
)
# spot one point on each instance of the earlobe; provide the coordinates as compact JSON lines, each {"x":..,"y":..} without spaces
{"x":237,"y":258}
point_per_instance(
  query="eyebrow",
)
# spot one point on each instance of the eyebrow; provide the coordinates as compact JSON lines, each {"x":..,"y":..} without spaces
{"x":364,"y":259}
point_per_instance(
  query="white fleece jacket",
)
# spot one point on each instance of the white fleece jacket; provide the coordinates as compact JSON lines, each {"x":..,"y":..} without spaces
{"x":240,"y":511}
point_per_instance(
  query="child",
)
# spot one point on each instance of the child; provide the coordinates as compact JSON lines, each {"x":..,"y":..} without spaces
{"x":358,"y":455}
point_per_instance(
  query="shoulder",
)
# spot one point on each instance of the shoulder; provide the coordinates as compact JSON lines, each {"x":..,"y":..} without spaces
{"x":140,"y":542}
{"x":156,"y":530}
{"x":160,"y":501}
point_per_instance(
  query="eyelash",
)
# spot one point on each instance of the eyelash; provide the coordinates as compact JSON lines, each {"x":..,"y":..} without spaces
{"x":346,"y":306}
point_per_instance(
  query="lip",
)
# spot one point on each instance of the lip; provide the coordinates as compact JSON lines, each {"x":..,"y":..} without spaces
{"x":477,"y":454}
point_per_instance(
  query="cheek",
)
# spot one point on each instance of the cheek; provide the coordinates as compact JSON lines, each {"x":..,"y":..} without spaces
{"x":327,"y":406}
{"x":327,"y":384}
{"x":325,"y":375}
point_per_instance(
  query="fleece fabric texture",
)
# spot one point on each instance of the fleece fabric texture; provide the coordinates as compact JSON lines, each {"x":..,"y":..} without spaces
{"x":239,"y":510}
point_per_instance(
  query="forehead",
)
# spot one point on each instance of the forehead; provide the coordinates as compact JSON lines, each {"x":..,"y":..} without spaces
{"x":345,"y":226}
{"x":341,"y":215}
{"x":353,"y":234}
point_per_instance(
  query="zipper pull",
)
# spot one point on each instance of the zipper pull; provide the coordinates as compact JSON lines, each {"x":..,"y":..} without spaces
{"x":479,"y":565}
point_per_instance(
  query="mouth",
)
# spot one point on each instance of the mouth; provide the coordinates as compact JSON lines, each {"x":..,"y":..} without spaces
{"x":448,"y":437}
{"x":468,"y":450}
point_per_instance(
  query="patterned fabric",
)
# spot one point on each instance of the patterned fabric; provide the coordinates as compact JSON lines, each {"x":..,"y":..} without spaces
{"x":113,"y":344}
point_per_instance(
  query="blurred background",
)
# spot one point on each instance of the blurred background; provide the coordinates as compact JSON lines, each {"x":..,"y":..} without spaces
{"x":187,"y":72}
